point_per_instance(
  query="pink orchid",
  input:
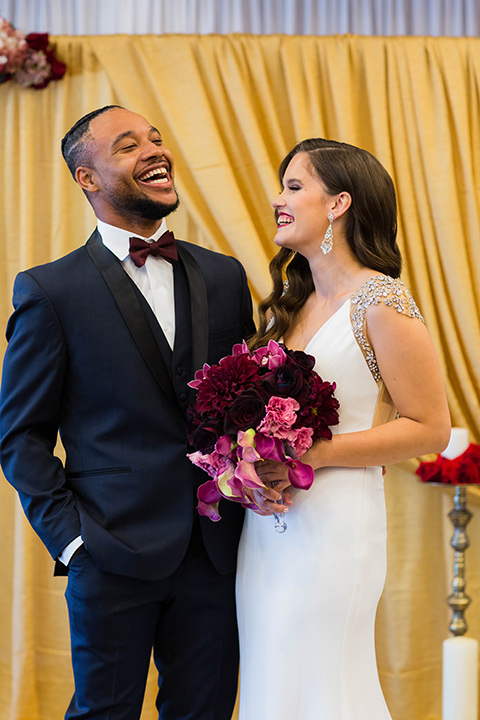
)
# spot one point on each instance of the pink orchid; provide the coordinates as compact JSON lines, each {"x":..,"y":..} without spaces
{"x":240,"y":349}
{"x":271,"y":356}
{"x":200,"y":376}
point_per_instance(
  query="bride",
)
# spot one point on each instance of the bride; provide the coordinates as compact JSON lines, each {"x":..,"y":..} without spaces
{"x":307,"y":598}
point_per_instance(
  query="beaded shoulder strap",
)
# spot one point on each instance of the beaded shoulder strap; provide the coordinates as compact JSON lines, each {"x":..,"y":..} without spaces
{"x":378,"y":289}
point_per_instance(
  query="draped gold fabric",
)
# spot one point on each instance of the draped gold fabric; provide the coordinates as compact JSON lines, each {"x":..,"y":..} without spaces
{"x":229,"y":108}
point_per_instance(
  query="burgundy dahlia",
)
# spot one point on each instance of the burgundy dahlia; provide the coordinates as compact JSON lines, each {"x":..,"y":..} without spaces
{"x":224,"y":382}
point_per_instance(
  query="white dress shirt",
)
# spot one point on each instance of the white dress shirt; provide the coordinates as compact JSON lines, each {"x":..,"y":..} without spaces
{"x":155,"y":282}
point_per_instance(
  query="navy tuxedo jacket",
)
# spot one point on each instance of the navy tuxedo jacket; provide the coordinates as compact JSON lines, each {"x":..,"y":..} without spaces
{"x":87,"y":356}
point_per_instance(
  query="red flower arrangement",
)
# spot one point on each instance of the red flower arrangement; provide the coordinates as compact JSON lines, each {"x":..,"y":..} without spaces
{"x":29,"y":60}
{"x":254,"y":406}
{"x":462,"y":470}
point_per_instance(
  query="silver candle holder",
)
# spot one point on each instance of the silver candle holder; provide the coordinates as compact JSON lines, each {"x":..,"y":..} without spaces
{"x":459,"y":654}
{"x":459,"y":600}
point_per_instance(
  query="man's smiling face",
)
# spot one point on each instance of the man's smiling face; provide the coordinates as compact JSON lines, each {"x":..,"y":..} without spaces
{"x":130,"y":170}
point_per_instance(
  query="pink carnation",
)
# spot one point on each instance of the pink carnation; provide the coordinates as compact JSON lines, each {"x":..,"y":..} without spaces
{"x":280,"y":416}
{"x":300,"y":440}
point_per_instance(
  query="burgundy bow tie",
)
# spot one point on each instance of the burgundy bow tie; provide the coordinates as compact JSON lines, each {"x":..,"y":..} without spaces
{"x":164,"y":246}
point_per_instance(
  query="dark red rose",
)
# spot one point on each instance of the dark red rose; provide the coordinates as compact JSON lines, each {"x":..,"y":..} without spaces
{"x":286,"y":381}
{"x":206,"y":435}
{"x":202,"y":431}
{"x":305,"y":362}
{"x":245,"y":412}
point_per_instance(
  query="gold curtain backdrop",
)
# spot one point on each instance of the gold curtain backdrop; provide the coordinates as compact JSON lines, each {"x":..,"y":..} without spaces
{"x":230,"y":107}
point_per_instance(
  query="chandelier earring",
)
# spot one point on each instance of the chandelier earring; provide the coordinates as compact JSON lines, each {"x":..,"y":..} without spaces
{"x":327,"y":242}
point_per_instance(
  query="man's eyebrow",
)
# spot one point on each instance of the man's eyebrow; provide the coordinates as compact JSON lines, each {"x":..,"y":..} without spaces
{"x":119,"y":138}
{"x":130,"y":133}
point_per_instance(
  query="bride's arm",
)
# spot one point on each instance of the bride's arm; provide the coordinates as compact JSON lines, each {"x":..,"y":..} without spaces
{"x":409,"y":368}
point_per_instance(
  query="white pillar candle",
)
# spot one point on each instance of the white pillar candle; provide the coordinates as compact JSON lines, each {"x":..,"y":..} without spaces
{"x":460,"y":679}
{"x":458,"y":443}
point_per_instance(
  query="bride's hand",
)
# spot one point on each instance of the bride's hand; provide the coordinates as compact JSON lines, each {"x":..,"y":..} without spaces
{"x":269,"y":499}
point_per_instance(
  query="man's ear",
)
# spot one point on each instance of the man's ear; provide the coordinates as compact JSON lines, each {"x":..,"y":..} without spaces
{"x":85,"y":177}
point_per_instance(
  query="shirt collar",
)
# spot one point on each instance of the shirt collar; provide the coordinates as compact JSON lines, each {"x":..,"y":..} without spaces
{"x":117,"y":240}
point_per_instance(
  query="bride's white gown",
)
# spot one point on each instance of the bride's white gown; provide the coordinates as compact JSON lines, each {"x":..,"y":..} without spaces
{"x":307,"y":598}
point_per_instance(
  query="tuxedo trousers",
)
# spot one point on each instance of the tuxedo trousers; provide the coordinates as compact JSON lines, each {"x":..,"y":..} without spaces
{"x":187,"y":619}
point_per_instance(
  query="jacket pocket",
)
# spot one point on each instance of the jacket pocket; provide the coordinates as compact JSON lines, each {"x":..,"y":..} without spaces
{"x":99,"y":471}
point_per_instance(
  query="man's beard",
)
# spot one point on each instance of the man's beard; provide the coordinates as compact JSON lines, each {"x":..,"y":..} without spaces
{"x":145,"y":207}
{"x":142,"y":206}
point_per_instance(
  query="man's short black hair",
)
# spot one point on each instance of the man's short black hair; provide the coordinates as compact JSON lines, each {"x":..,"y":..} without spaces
{"x":74,"y":142}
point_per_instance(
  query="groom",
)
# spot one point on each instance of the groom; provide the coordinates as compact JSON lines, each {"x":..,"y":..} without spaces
{"x":102,"y":344}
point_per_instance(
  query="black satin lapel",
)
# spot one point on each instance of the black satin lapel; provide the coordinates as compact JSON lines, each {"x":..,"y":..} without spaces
{"x":198,"y":306}
{"x":129,"y":305}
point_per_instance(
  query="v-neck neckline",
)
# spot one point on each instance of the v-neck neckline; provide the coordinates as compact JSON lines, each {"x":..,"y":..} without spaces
{"x":328,"y":321}
{"x":347,"y":300}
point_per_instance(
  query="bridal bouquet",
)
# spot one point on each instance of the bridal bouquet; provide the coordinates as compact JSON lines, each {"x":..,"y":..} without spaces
{"x":250,"y":407}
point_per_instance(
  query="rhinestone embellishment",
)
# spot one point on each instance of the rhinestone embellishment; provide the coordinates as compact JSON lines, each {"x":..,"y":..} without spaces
{"x":391,"y":292}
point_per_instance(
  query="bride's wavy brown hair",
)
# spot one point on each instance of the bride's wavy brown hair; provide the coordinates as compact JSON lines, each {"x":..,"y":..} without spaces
{"x":371,"y":229}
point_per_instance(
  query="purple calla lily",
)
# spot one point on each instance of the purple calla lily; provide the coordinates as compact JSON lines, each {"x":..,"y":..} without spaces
{"x":209,"y":492}
{"x":246,"y":473}
{"x":209,"y":511}
{"x":300,"y":475}
{"x":270,"y":448}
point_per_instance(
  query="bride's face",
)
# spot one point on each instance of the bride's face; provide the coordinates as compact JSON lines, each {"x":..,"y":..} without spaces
{"x":302,"y":208}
